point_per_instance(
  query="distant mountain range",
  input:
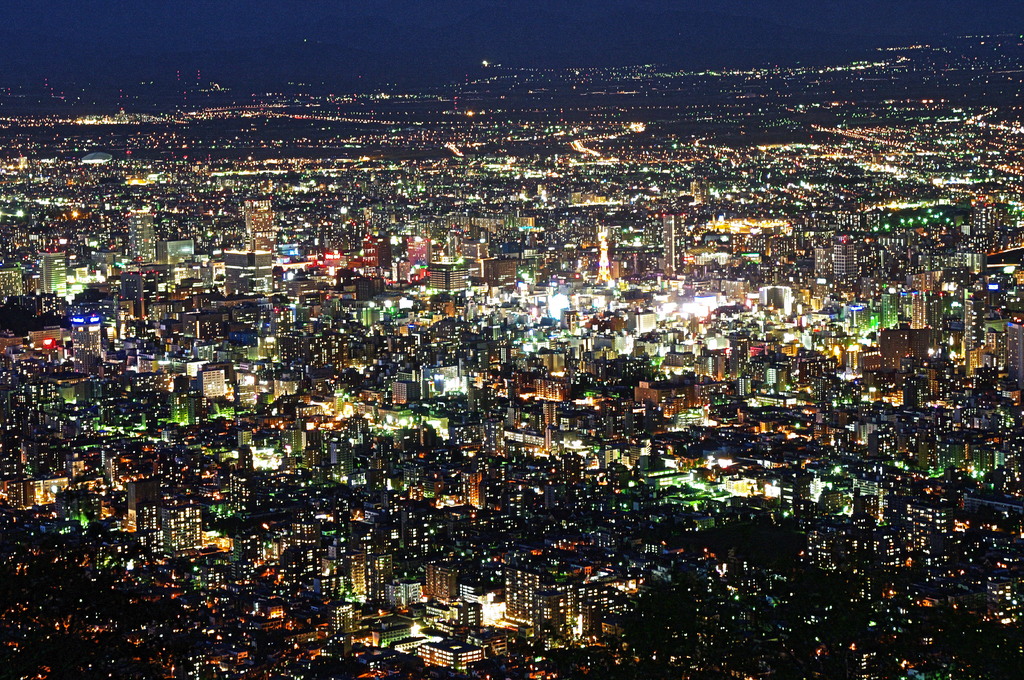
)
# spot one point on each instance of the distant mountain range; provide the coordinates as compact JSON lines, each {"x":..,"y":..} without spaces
{"x":264,"y":44}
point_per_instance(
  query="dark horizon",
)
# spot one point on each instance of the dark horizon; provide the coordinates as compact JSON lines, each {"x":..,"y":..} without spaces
{"x":265,"y":44}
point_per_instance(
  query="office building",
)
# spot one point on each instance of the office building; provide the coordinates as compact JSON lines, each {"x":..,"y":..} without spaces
{"x":845,"y":267}
{"x":248,"y":272}
{"x":175,"y":252}
{"x":449,"y":276}
{"x":1015,"y":352}
{"x":53,"y":276}
{"x":87,"y":342}
{"x":260,"y":226}
{"x":141,"y":236}
{"x":673,"y":235}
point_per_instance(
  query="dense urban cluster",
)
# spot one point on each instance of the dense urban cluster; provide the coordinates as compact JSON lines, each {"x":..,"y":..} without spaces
{"x":532,"y":377}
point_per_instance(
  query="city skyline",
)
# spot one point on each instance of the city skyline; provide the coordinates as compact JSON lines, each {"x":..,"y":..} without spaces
{"x":626,"y":368}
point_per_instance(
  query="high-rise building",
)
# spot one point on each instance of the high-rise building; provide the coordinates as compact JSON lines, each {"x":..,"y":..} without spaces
{"x":919,"y":310}
{"x":368,"y":573}
{"x":141,"y":236}
{"x":777,"y":297}
{"x":823,"y":262}
{"x":248,"y":272}
{"x":981,"y":232}
{"x":11,"y":282}
{"x":376,"y":252}
{"x":889,"y":312}
{"x":449,"y":276}
{"x":473,"y":488}
{"x":143,"y":500}
{"x":1015,"y":352}
{"x":897,"y":344}
{"x":53,"y":277}
{"x":499,"y":272}
{"x":182,"y":527}
{"x":521,"y":587}
{"x":141,"y":288}
{"x":845,"y":268}
{"x":175,"y":252}
{"x":604,"y":264}
{"x":699,"y":189}
{"x":441,"y":582}
{"x":343,"y":234}
{"x":260,"y":226}
{"x":405,"y":391}
{"x":929,"y":524}
{"x":213,"y":380}
{"x":673,"y":240}
{"x":974,"y":327}
{"x":87,"y":342}
{"x":418,"y":251}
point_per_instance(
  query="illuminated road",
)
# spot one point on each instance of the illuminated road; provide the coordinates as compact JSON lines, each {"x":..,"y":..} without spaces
{"x":578,"y":147}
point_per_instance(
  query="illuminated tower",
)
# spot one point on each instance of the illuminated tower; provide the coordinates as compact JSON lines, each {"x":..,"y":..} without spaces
{"x":981,"y":231}
{"x":87,"y":341}
{"x":141,"y":237}
{"x":919,"y":310}
{"x":473,"y":488}
{"x":604,"y":274}
{"x":1015,"y":352}
{"x":673,"y":238}
{"x":699,"y":189}
{"x":54,"y":273}
{"x":974,"y":330}
{"x":260,"y":231}
{"x":182,"y":527}
{"x":845,"y":267}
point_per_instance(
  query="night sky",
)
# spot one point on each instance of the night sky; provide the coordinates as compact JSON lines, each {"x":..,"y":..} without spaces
{"x":264,"y":43}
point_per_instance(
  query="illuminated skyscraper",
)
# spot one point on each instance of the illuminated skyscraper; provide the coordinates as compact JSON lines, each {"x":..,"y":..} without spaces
{"x":473,"y":487}
{"x":1015,"y":352}
{"x":182,"y":527}
{"x":521,"y":586}
{"x":140,"y":287}
{"x":845,"y":268}
{"x":974,"y":328}
{"x":673,"y":240}
{"x":53,"y":273}
{"x":143,"y":500}
{"x":141,"y":236}
{"x":981,"y":232}
{"x":260,"y":229}
{"x":918,"y":310}
{"x":604,"y":265}
{"x":87,"y":342}
{"x":699,"y":189}
{"x":343,"y":233}
{"x":890,"y":309}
